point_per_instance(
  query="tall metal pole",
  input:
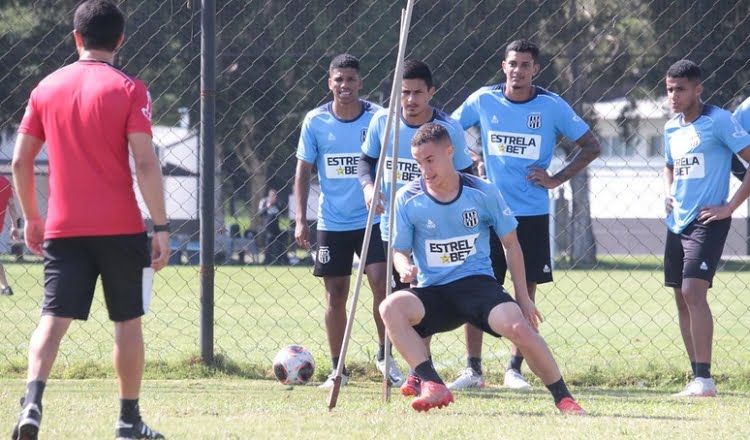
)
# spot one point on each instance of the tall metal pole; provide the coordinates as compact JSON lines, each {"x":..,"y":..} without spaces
{"x":207,"y":186}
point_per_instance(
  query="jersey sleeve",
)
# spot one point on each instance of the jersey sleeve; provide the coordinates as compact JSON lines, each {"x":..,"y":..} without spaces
{"x":731,"y":133}
{"x":403,"y":233}
{"x":31,"y":123}
{"x":371,"y":145}
{"x":570,"y":124}
{"x":501,"y":215}
{"x":461,"y":157}
{"x":307,"y":147}
{"x":467,"y":114}
{"x":139,"y":119}
{"x":743,"y":114}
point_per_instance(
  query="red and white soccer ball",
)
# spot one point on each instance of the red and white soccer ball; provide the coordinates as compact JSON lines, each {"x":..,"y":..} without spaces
{"x":294,"y":365}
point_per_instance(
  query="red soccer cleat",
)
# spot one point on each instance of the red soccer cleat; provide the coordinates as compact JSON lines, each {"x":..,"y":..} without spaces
{"x":412,"y":386}
{"x":433,"y":395}
{"x":570,"y":406}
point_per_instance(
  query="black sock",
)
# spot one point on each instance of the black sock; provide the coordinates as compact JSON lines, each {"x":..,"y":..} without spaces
{"x":426,"y":372}
{"x":475,"y":363}
{"x":34,"y":392}
{"x":703,"y":370}
{"x":692,"y":365}
{"x":515,"y":362}
{"x":381,"y":352}
{"x":559,"y":390}
{"x":129,"y":411}
{"x":414,"y":373}
{"x":335,"y":363}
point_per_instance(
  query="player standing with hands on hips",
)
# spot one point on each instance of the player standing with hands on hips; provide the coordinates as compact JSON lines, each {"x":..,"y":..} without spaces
{"x":87,"y":113}
{"x":699,"y":143}
{"x":519,"y":124}
{"x":443,"y":222}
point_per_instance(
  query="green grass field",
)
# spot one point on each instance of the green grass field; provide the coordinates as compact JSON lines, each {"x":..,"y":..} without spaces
{"x":613,"y":330}
{"x":246,"y":409}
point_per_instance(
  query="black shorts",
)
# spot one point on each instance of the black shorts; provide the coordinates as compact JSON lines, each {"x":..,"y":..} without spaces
{"x":533,"y":236}
{"x":694,"y":253}
{"x":336,"y":251}
{"x":451,"y":305}
{"x":72,"y":266}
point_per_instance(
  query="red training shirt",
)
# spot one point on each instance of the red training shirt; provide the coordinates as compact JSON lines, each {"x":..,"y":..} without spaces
{"x":6,"y":192}
{"x":84,"y":112}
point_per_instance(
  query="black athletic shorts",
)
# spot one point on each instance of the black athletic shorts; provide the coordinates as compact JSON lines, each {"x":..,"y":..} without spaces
{"x":451,"y":305}
{"x":533,"y":236}
{"x":694,"y":253}
{"x":336,"y":251}
{"x":72,"y":266}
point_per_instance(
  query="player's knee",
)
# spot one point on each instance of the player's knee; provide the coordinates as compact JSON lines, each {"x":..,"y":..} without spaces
{"x":693,"y":298}
{"x":336,"y":296}
{"x":387,"y":309}
{"x":393,"y":308}
{"x":519,"y":330}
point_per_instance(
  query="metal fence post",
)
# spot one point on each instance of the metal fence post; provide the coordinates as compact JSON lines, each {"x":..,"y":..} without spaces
{"x":207,"y":185}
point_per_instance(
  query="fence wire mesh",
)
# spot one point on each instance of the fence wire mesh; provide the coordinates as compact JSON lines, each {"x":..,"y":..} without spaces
{"x":606,"y":310}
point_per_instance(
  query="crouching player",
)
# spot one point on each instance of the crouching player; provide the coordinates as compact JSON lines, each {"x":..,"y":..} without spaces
{"x":442,"y":221}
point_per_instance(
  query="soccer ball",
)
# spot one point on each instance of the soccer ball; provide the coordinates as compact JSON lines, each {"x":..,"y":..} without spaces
{"x":293,"y":365}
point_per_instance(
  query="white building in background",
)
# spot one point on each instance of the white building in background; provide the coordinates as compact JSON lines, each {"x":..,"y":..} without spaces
{"x":177,"y":148}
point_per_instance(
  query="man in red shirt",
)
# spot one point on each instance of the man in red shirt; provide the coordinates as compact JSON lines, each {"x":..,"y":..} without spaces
{"x":87,"y":113}
{"x":6,"y":204}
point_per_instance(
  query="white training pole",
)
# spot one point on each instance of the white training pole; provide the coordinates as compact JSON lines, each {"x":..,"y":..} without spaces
{"x":405,"y":24}
{"x":395,"y":93}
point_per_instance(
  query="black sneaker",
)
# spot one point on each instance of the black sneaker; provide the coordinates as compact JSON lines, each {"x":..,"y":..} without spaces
{"x":7,"y":291}
{"x":128,"y":431}
{"x":28,"y":423}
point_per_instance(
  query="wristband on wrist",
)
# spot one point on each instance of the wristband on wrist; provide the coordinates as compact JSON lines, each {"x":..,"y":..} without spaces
{"x":162,"y":228}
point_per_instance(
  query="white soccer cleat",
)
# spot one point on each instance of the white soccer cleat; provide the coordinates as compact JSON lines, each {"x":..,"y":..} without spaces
{"x":698,"y":387}
{"x":515,"y":381}
{"x":467,"y":378}
{"x":329,"y":381}
{"x":395,"y":378}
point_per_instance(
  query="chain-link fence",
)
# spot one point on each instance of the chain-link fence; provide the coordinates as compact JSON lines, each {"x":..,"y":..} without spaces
{"x":607,"y":308}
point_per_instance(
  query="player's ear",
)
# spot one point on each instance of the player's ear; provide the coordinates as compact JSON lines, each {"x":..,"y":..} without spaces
{"x":78,"y":39}
{"x":536,"y":69}
{"x":120,"y":41}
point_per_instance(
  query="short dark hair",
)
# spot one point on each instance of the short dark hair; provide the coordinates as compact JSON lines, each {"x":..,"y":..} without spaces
{"x":685,"y":69}
{"x":523,"y":45}
{"x":100,"y":23}
{"x":415,"y":69}
{"x":430,"y":132}
{"x":344,"y":61}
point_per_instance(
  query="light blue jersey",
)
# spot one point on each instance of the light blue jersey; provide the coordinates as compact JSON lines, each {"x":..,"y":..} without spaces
{"x":408,"y":170}
{"x":517,"y":135}
{"x":334,"y":146}
{"x":743,"y":114}
{"x":700,"y":154}
{"x":450,"y":241}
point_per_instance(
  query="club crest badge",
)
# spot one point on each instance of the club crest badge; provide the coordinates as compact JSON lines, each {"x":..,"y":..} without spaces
{"x":324,"y":255}
{"x":534,"y":121}
{"x":471,"y":218}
